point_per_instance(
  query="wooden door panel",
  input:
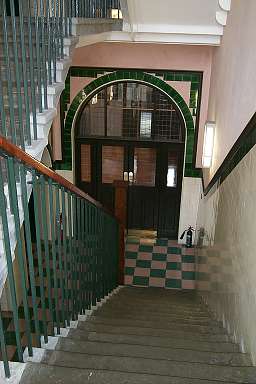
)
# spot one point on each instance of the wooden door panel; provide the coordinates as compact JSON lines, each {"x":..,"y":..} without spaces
{"x":143,"y":208}
{"x":168,"y":219}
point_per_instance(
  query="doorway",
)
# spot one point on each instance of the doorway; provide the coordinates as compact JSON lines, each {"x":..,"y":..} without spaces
{"x":133,"y":132}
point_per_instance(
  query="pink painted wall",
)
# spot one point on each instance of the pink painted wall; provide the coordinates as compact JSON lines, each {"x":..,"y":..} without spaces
{"x":153,"y":56}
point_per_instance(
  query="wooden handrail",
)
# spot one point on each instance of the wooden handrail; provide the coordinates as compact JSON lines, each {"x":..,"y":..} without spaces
{"x":18,"y":153}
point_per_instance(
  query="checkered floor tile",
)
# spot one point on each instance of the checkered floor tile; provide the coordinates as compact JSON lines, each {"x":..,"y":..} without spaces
{"x":163,"y":263}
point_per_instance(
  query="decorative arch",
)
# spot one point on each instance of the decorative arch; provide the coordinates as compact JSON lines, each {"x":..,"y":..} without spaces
{"x":142,"y":77}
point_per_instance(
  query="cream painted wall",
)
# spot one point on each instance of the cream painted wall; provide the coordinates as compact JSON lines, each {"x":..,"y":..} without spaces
{"x":226,"y":263}
{"x":233,"y":83}
{"x":153,"y":56}
{"x":191,"y":191}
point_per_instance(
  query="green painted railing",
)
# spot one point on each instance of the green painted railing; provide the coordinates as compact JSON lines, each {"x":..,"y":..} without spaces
{"x":67,"y":250}
{"x":32,"y":41}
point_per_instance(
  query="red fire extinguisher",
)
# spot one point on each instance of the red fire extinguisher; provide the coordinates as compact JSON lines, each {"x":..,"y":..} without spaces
{"x":189,"y":236}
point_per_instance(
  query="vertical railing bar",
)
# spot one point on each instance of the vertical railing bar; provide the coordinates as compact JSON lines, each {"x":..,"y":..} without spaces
{"x":75,"y":208}
{"x":89,"y":257}
{"x":36,"y":185}
{"x":71,"y":254}
{"x":9,"y":76}
{"x":13,"y":193}
{"x":46,"y":249}
{"x":75,"y":250}
{"x":49,"y":33}
{"x":32,"y":72}
{"x":54,"y":43}
{"x":79,"y":253}
{"x":29,"y":246}
{"x":92,"y":255}
{"x":2,"y":111}
{"x":57,"y":35}
{"x":101,"y":254}
{"x":105,"y":9}
{"x":54,"y":261}
{"x":87,"y":293}
{"x":25,"y":74}
{"x":63,"y":208}
{"x":17,"y":74}
{"x":94,"y":298}
{"x":105,"y":255}
{"x":43,"y":48}
{"x":66,"y":18}
{"x":11,"y":280}
{"x":59,"y":253}
{"x":83,"y":255}
{"x":3,"y":348}
{"x":97,"y":262}
{"x":73,"y":8}
{"x":61,"y":30}
{"x":70,"y":17}
{"x":38,"y":56}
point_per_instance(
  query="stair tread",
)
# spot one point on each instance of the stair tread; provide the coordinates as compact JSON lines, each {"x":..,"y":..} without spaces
{"x":154,"y":341}
{"x":164,"y":353}
{"x":151,"y":366}
{"x":133,"y":330}
{"x":160,"y":324}
{"x":171,"y":318}
{"x":41,"y":374}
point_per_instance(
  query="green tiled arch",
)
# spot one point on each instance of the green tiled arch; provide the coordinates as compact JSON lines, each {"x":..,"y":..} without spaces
{"x":146,"y":78}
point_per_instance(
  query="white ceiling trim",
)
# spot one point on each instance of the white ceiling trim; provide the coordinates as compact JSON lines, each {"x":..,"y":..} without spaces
{"x":180,"y":29}
{"x":155,"y":38}
{"x":141,"y":24}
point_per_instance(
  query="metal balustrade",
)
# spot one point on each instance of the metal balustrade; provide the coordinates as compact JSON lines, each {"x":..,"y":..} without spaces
{"x":67,"y":248}
{"x":32,"y":37}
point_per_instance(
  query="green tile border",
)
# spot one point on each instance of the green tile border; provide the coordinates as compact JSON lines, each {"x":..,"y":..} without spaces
{"x":103,"y":76}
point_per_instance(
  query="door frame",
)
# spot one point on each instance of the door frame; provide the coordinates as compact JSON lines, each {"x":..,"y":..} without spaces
{"x":96,"y":160}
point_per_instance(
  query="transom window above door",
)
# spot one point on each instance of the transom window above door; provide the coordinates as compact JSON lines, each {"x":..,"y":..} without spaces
{"x":131,"y":110}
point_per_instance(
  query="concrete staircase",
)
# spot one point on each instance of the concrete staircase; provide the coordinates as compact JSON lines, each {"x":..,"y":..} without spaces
{"x":145,"y":336}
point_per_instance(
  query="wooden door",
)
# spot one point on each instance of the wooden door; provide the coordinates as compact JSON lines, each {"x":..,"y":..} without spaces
{"x":154,"y":194}
{"x":155,"y":173}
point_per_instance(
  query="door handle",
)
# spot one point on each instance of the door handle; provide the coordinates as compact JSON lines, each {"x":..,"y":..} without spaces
{"x":126,"y":177}
{"x":131,"y":178}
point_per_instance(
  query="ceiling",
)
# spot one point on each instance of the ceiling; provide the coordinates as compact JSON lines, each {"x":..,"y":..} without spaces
{"x":194,"y":22}
{"x":175,"y":21}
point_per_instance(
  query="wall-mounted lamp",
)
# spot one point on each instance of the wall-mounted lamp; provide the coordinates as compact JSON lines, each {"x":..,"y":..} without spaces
{"x":209,"y":131}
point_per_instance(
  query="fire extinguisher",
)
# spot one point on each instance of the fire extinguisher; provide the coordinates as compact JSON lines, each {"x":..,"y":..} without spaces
{"x":189,"y":236}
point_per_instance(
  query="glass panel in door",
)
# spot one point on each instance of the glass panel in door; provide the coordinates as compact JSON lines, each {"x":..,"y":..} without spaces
{"x":85,"y":163}
{"x":144,"y":167}
{"x":112,"y":163}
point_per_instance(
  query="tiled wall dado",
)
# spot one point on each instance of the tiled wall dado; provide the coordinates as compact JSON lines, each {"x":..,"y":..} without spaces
{"x":226,"y":259}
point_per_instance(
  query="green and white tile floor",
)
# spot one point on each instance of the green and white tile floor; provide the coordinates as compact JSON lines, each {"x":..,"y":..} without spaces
{"x":159,"y":263}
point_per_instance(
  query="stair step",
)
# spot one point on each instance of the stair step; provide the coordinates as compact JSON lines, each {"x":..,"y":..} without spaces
{"x":172,"y":318}
{"x":148,"y":313}
{"x":156,"y":324}
{"x":42,"y":373}
{"x":151,"y":311}
{"x":129,"y":330}
{"x":234,"y":374}
{"x":166,"y":353}
{"x":159,"y":341}
{"x":126,"y":307}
